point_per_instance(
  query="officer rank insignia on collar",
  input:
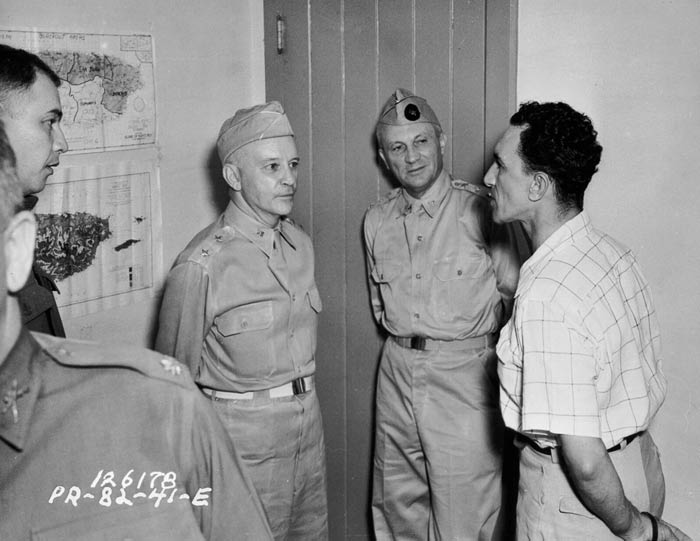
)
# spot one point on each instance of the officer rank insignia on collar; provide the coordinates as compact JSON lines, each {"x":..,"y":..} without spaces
{"x":9,"y":399}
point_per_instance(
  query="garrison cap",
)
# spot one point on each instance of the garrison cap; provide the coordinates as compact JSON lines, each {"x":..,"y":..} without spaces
{"x":254,"y":123}
{"x":403,"y":108}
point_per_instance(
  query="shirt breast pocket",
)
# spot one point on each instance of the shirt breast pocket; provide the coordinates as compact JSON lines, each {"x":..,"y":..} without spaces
{"x":246,"y":335}
{"x":248,"y":318}
{"x":456,"y":276}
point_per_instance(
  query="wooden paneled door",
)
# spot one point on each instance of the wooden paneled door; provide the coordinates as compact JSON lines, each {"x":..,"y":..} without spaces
{"x":333,"y":63}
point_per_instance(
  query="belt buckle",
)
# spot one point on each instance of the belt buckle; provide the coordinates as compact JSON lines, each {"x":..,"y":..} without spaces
{"x":298,"y":386}
{"x":418,"y":342}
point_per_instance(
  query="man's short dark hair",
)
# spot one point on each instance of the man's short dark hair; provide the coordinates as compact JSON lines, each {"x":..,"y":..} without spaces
{"x":18,"y":69}
{"x":10,"y":190}
{"x":561,"y":142}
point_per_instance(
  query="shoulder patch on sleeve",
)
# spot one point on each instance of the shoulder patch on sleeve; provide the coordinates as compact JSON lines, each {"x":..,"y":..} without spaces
{"x":476,"y":189}
{"x":81,"y":353}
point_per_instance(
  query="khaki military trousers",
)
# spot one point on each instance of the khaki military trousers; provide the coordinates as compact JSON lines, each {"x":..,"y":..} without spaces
{"x":549,"y":509}
{"x":280,"y":441}
{"x":438,"y":446}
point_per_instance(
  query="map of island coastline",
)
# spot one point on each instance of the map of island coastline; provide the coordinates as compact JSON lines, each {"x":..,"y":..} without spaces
{"x":67,"y":243}
{"x":107,"y":87}
{"x":95,"y":237}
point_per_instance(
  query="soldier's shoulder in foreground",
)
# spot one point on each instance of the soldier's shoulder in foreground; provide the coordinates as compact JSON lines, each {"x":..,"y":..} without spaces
{"x":88,"y":354}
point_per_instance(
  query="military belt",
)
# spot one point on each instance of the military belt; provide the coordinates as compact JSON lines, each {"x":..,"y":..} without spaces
{"x":294,"y":387}
{"x":428,"y":344}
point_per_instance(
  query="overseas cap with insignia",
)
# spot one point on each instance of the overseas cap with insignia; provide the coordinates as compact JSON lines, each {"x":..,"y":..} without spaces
{"x":403,"y":108}
{"x":255,"y":123}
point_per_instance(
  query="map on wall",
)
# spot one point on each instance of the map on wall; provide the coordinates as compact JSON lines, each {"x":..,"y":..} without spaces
{"x":107,"y":85}
{"x":98,"y":235}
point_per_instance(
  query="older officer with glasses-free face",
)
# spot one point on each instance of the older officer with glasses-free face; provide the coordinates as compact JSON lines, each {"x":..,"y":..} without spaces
{"x":441,"y":277}
{"x":240,"y":309}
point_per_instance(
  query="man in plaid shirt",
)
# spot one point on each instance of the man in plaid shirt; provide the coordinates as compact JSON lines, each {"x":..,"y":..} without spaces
{"x":580,"y":365}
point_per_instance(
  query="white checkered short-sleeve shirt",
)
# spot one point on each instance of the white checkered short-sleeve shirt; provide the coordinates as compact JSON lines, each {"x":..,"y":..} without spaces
{"x":581,"y":353}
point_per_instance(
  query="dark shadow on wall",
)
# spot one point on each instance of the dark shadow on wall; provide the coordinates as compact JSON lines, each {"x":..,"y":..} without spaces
{"x":218,"y":189}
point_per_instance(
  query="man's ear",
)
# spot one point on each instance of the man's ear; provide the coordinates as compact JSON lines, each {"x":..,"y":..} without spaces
{"x":232,"y":175}
{"x":19,"y":238}
{"x":538,"y":186}
{"x":443,"y":143}
{"x":382,"y":157}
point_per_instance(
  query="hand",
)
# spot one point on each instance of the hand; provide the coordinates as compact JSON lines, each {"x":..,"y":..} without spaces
{"x":670,"y":532}
{"x":642,"y":530}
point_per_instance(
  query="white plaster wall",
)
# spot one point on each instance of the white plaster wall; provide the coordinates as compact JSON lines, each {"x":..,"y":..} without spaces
{"x":634,"y":67}
{"x":209,"y":62}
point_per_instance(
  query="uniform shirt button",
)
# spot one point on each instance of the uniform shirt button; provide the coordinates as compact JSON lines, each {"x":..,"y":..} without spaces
{"x":420,"y":237}
{"x":416,"y":316}
{"x":459,"y":272}
{"x":418,"y":276}
{"x":244,"y":324}
{"x":294,"y":298}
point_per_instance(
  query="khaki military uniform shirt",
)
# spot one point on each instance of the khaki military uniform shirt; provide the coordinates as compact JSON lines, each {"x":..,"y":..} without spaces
{"x":240,"y":305}
{"x":439,"y":267}
{"x":100,"y":443}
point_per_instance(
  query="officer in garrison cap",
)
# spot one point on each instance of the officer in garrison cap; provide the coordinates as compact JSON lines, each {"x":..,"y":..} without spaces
{"x":104,"y":442}
{"x":442,"y":278}
{"x":240,"y":309}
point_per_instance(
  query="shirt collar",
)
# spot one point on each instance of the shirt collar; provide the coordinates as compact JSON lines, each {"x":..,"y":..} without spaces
{"x":578,"y":226}
{"x":254,"y":230}
{"x":432,"y":199}
{"x":19,"y":389}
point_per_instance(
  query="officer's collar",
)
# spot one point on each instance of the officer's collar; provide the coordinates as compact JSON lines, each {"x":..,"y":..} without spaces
{"x":254,"y":230}
{"x":19,"y":389}
{"x":432,"y":199}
